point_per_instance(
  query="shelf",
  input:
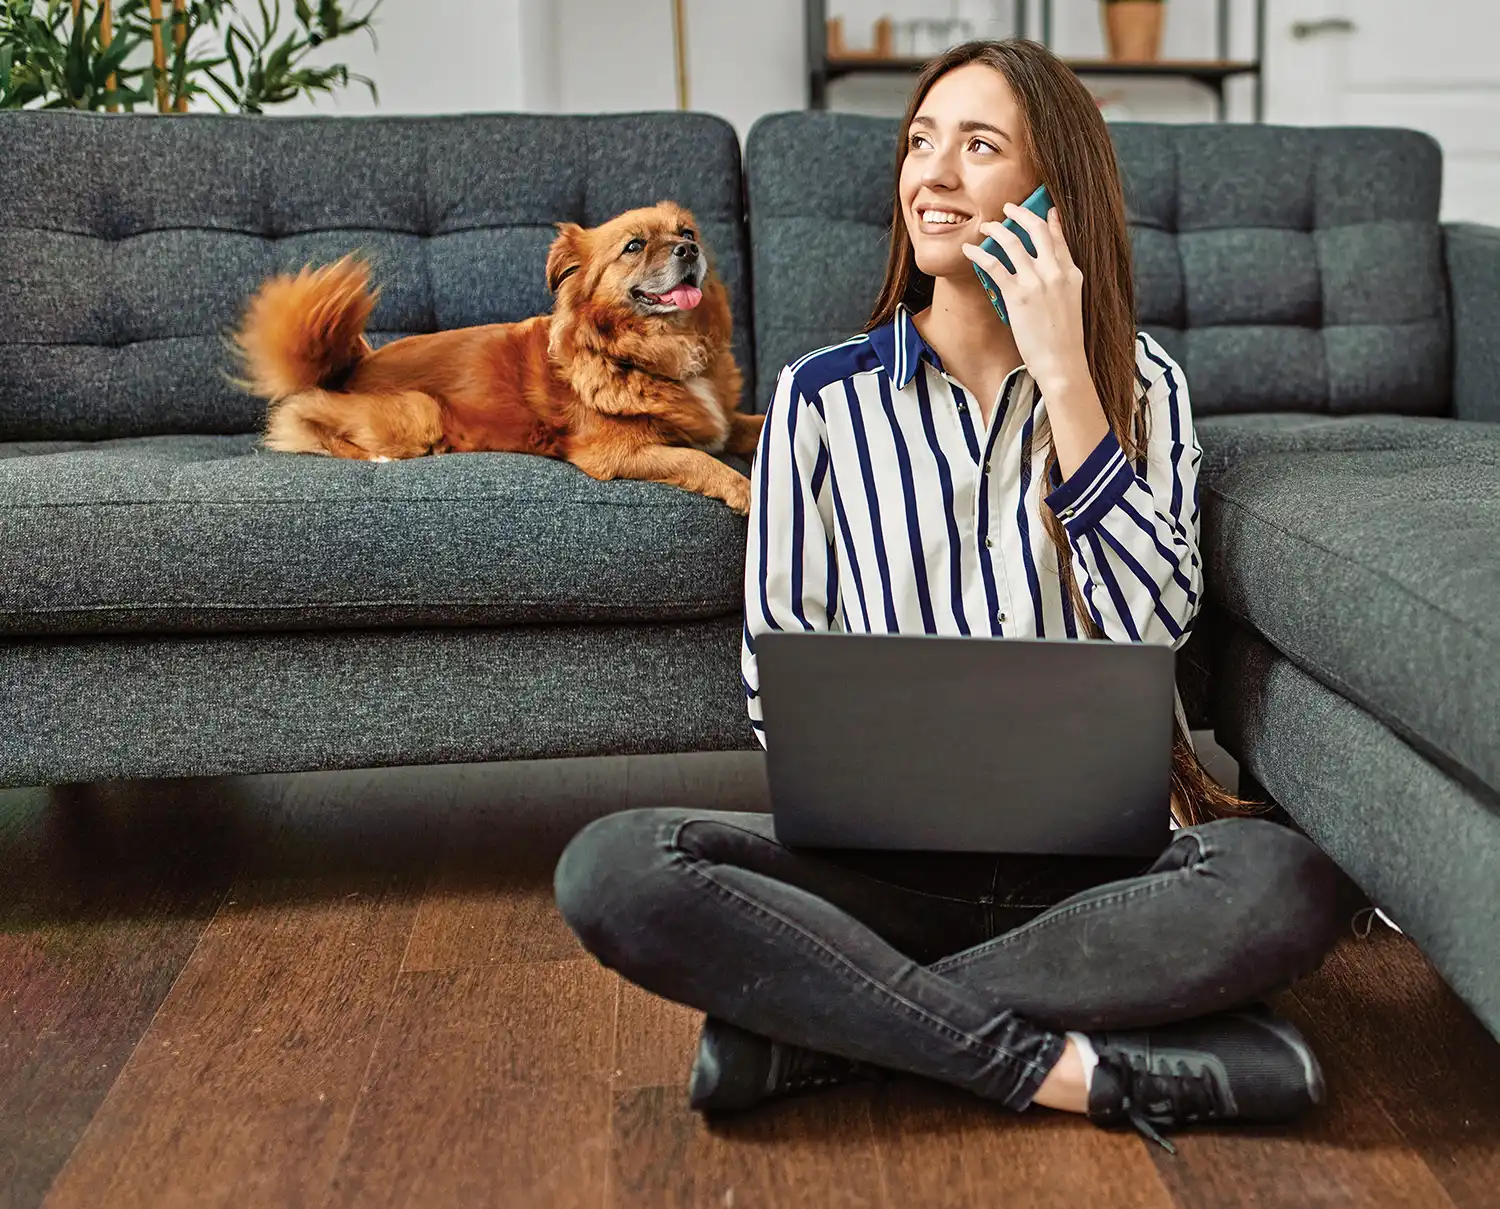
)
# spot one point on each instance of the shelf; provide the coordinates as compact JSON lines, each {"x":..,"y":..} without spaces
{"x":1211,"y":74}
{"x":1210,"y":70}
{"x":1196,"y":69}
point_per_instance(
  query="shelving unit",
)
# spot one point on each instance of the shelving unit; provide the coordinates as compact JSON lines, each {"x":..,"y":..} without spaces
{"x":1210,"y":73}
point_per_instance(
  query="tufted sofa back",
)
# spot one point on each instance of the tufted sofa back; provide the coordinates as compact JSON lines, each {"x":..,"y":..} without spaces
{"x":1285,"y":268}
{"x":128,"y":244}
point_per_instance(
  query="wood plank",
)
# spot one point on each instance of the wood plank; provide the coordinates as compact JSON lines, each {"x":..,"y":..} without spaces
{"x":1428,"y":1060}
{"x":241,"y":1090}
{"x":489,"y":1086}
{"x":944,"y":1149}
{"x":518,"y":1147}
{"x":464,"y":922}
{"x":654,"y":1040}
{"x":103,"y":898}
{"x":1345,"y":1153}
{"x":815,"y":1150}
{"x":356,"y":822}
{"x":490,"y":899}
{"x":491,"y":895}
{"x":514,"y":1070}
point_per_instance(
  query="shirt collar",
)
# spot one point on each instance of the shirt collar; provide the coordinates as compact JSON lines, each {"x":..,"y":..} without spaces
{"x":901,"y":348}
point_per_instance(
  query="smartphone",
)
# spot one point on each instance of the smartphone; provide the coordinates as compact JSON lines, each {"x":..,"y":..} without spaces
{"x":1039,"y":203}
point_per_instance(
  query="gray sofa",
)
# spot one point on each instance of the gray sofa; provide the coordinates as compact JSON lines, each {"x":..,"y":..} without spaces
{"x":176,"y":601}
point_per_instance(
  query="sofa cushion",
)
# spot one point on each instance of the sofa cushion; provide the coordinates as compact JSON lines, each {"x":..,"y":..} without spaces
{"x":118,"y":277}
{"x":1378,"y":572}
{"x":193,"y":705}
{"x":1285,"y":268}
{"x":205,"y":533}
{"x":1420,"y":843}
{"x":1228,"y":440}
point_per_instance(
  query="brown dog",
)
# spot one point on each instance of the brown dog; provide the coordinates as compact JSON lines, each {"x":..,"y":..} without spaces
{"x":631,"y":376}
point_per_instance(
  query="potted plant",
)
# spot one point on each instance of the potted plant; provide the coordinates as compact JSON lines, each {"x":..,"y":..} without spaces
{"x":1132,"y":29}
{"x":118,"y":54}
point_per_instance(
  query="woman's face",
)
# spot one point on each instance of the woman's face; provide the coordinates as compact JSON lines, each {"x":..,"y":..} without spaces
{"x":964,"y":161}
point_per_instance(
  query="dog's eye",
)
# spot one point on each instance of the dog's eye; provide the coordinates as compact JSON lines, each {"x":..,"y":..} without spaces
{"x":687,"y":233}
{"x":635,"y":245}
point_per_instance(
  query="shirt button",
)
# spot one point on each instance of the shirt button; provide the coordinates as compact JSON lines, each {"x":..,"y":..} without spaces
{"x":989,"y":543}
{"x":1066,"y":514}
{"x":988,"y":466}
{"x":962,"y":406}
{"x":1000,"y":617}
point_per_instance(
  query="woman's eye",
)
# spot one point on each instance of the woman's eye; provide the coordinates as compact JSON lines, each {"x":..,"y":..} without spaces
{"x":917,"y":141}
{"x":635,"y":245}
{"x":978,"y":144}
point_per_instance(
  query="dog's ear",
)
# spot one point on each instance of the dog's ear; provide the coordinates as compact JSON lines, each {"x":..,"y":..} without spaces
{"x":566,"y":255}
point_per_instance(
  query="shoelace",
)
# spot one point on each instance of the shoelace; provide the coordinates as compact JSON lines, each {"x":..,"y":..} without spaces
{"x":794,"y":1068}
{"x":1179,"y":1095}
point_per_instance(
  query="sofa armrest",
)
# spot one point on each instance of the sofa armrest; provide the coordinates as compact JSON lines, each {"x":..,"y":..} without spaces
{"x":1473,"y":255}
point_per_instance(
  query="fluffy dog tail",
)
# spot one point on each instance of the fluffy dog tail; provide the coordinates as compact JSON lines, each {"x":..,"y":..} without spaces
{"x":307,"y":331}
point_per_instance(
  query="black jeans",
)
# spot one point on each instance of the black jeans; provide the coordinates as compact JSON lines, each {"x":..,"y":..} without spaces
{"x":957,"y":967}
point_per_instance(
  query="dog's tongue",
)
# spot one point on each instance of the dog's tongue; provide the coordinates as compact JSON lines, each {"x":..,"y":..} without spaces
{"x":684,"y":296}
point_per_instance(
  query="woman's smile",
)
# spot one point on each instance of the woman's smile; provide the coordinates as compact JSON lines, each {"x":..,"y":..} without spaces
{"x":941,"y":220}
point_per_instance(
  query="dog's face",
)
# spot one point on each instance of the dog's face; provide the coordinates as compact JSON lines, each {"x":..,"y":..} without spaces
{"x":648,"y":261}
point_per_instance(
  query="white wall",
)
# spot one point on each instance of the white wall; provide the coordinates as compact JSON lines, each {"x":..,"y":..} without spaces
{"x":1440,"y":75}
{"x":537,"y":50}
{"x":442,"y":56}
{"x":614,"y":55}
{"x":746,"y":59}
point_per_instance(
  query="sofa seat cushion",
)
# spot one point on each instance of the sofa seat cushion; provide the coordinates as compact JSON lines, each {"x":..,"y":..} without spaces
{"x":1228,"y":440}
{"x":213,"y":533}
{"x":1378,"y":572}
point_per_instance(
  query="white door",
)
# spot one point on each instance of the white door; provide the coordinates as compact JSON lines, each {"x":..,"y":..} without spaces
{"x":1432,"y":66}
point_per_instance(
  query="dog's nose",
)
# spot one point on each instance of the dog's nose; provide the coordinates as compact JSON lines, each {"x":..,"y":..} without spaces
{"x":688,"y":250}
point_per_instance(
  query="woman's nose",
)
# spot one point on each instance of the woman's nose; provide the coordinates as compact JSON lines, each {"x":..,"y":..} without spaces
{"x":939,"y":171}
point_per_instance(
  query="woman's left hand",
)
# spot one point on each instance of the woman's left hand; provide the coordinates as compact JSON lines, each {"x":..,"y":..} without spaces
{"x":1043,"y":297}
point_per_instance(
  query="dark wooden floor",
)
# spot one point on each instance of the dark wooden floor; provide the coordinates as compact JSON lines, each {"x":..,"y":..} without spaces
{"x":352,"y":990}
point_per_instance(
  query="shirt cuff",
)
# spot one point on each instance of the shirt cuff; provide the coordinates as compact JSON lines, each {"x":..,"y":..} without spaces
{"x":1094,"y":488}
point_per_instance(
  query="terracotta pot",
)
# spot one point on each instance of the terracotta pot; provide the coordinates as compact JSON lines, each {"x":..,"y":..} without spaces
{"x":1133,"y":29}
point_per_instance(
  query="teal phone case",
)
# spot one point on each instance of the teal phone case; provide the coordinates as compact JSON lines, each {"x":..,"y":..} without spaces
{"x":1039,"y":203}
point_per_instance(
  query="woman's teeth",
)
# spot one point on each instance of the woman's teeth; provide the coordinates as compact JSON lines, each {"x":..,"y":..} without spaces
{"x":943,"y":216}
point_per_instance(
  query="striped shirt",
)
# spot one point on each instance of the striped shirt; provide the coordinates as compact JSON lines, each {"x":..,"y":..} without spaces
{"x":880,"y":504}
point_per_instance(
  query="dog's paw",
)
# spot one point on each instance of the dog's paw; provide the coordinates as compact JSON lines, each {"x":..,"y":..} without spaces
{"x":737,"y":496}
{"x":379,"y":457}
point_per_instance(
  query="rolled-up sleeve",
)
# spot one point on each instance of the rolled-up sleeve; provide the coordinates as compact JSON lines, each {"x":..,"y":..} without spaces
{"x":1134,"y":534}
{"x":791,"y":569}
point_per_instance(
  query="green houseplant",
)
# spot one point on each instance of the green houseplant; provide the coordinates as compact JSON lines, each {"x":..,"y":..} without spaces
{"x":67,"y":54}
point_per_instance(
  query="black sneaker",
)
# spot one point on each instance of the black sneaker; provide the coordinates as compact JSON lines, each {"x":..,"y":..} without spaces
{"x":1246,"y":1065}
{"x":735,"y":1069}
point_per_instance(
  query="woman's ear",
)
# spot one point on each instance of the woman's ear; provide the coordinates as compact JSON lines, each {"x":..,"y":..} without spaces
{"x":566,"y":255}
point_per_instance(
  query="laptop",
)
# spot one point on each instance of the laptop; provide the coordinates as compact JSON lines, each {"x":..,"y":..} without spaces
{"x":953,"y":744}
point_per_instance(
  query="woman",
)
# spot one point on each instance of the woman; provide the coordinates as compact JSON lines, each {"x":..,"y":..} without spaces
{"x":947,"y":473}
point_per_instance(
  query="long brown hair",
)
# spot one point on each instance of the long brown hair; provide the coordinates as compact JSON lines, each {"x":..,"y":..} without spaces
{"x":1071,"y":149}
